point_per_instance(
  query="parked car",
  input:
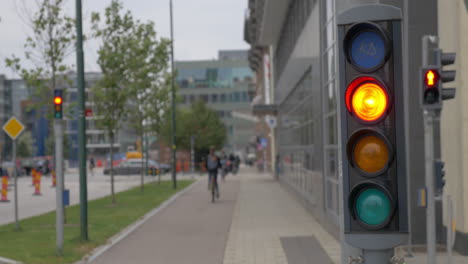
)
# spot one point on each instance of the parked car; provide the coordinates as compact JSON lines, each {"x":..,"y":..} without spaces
{"x":134,"y":166}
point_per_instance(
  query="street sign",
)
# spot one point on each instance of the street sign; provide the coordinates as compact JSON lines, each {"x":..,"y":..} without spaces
{"x":13,"y":128}
{"x":271,"y":121}
{"x":264,"y":142}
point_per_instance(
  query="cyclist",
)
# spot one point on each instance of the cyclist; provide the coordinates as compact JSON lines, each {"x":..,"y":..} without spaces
{"x":224,"y":164}
{"x":212,"y":165}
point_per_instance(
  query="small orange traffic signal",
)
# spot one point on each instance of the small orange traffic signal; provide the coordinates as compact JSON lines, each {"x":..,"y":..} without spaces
{"x":431,"y":78}
{"x":58,"y":101}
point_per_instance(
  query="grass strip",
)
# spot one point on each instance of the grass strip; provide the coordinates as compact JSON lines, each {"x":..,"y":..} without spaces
{"x":36,"y":244}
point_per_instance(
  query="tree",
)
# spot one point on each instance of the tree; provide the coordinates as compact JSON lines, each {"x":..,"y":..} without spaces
{"x":111,"y":92}
{"x":25,"y":142}
{"x":199,"y":121}
{"x":52,"y":40}
{"x":147,"y":73}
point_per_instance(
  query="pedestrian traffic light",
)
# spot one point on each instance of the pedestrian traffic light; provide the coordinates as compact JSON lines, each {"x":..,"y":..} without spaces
{"x":433,"y":77}
{"x":372,"y":126}
{"x":58,"y":104}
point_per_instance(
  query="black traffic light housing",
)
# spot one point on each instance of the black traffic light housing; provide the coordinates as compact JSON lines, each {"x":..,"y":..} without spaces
{"x":432,"y":91}
{"x":372,"y":126}
{"x":58,"y":104}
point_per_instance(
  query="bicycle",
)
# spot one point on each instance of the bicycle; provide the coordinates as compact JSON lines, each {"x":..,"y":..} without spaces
{"x":214,"y":189}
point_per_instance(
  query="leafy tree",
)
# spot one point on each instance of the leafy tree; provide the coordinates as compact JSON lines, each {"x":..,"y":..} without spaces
{"x":147,"y":73}
{"x":199,"y":121}
{"x":111,"y":92}
{"x":52,"y":40}
{"x":25,"y":142}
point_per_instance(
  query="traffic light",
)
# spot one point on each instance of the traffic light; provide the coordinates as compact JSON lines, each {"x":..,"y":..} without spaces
{"x":372,"y":126}
{"x":432,"y":79}
{"x":58,"y":104}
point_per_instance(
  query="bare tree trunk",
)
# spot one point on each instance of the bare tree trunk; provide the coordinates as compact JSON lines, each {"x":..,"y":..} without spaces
{"x":111,"y":135}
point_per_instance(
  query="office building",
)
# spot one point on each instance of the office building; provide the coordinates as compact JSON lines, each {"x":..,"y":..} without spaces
{"x":299,"y":39}
{"x":227,"y":86}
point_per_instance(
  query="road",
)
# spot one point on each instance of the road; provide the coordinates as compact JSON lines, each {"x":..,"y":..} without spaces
{"x":30,"y":205}
{"x":192,"y":230}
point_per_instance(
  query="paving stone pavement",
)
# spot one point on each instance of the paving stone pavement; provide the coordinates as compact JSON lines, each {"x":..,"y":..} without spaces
{"x":264,"y":213}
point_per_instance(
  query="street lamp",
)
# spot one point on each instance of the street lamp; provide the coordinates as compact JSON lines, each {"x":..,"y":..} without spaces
{"x":174,"y":173}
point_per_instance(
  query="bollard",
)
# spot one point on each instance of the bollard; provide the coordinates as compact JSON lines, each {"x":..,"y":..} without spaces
{"x":54,"y":179}
{"x":178,"y":166}
{"x":33,"y":177}
{"x":37,"y":185}
{"x":4,"y":189}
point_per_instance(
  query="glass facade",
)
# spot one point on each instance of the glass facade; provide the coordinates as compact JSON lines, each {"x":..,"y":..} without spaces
{"x":307,"y":131}
{"x":330,"y":129}
{"x":299,"y":134}
{"x":225,"y":85}
{"x":210,"y":77}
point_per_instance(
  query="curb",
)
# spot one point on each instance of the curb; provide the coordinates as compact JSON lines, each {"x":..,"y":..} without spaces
{"x":129,"y":229}
{"x":9,"y":261}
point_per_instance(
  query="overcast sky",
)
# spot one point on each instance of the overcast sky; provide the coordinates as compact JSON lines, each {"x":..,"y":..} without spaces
{"x":202,"y":27}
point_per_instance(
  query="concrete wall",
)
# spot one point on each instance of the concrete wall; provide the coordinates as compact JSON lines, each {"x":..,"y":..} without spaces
{"x":453,"y":32}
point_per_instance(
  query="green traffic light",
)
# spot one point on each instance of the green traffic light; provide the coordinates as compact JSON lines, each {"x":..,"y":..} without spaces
{"x":373,"y":207}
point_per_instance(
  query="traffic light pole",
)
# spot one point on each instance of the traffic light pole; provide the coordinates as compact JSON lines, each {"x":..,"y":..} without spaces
{"x":58,"y":132}
{"x":429,"y":118}
{"x":81,"y":124}
{"x":174,"y":148}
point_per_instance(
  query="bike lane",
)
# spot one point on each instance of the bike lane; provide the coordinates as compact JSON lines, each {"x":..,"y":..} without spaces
{"x":191,"y":230}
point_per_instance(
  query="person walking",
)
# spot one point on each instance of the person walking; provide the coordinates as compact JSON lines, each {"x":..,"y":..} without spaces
{"x":91,"y":166}
{"x":212,"y":165}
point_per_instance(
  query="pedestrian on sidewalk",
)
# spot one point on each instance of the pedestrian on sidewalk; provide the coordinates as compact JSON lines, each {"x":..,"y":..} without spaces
{"x":213,"y":163}
{"x":91,"y":166}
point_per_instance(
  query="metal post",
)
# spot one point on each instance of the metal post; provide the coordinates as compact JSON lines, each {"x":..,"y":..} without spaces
{"x":429,"y":178}
{"x":430,"y":115}
{"x":449,"y":229}
{"x":81,"y":124}
{"x":58,"y":131}
{"x":174,"y":173}
{"x":15,"y":175}
{"x":377,"y":256}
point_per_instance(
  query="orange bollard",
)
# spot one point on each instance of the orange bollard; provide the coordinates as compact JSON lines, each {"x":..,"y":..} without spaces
{"x":4,"y":189}
{"x":54,"y":179}
{"x":33,"y":177}
{"x":178,"y":166}
{"x":37,"y":185}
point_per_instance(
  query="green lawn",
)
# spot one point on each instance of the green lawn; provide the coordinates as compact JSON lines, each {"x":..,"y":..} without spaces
{"x":35,"y":243}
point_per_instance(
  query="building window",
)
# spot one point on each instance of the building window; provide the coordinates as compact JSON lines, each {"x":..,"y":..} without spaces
{"x":237,"y":97}
{"x":223,"y":98}
{"x":214,"y":98}
{"x":205,"y":98}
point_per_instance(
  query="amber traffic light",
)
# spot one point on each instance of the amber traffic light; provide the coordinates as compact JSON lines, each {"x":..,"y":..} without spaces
{"x":58,"y":104}
{"x":367,"y":98}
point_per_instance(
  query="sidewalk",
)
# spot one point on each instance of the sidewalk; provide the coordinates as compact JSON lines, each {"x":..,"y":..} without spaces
{"x":271,"y":227}
{"x":255,"y":221}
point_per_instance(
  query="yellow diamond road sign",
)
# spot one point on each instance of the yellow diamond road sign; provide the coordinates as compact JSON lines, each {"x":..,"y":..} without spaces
{"x":13,"y":128}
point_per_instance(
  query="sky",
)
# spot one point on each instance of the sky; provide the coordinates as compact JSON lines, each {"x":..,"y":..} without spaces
{"x":201,"y":27}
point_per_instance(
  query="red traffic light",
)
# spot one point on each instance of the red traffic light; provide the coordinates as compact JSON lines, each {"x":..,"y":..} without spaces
{"x":58,"y":100}
{"x":367,"y":98}
{"x":431,"y":77}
